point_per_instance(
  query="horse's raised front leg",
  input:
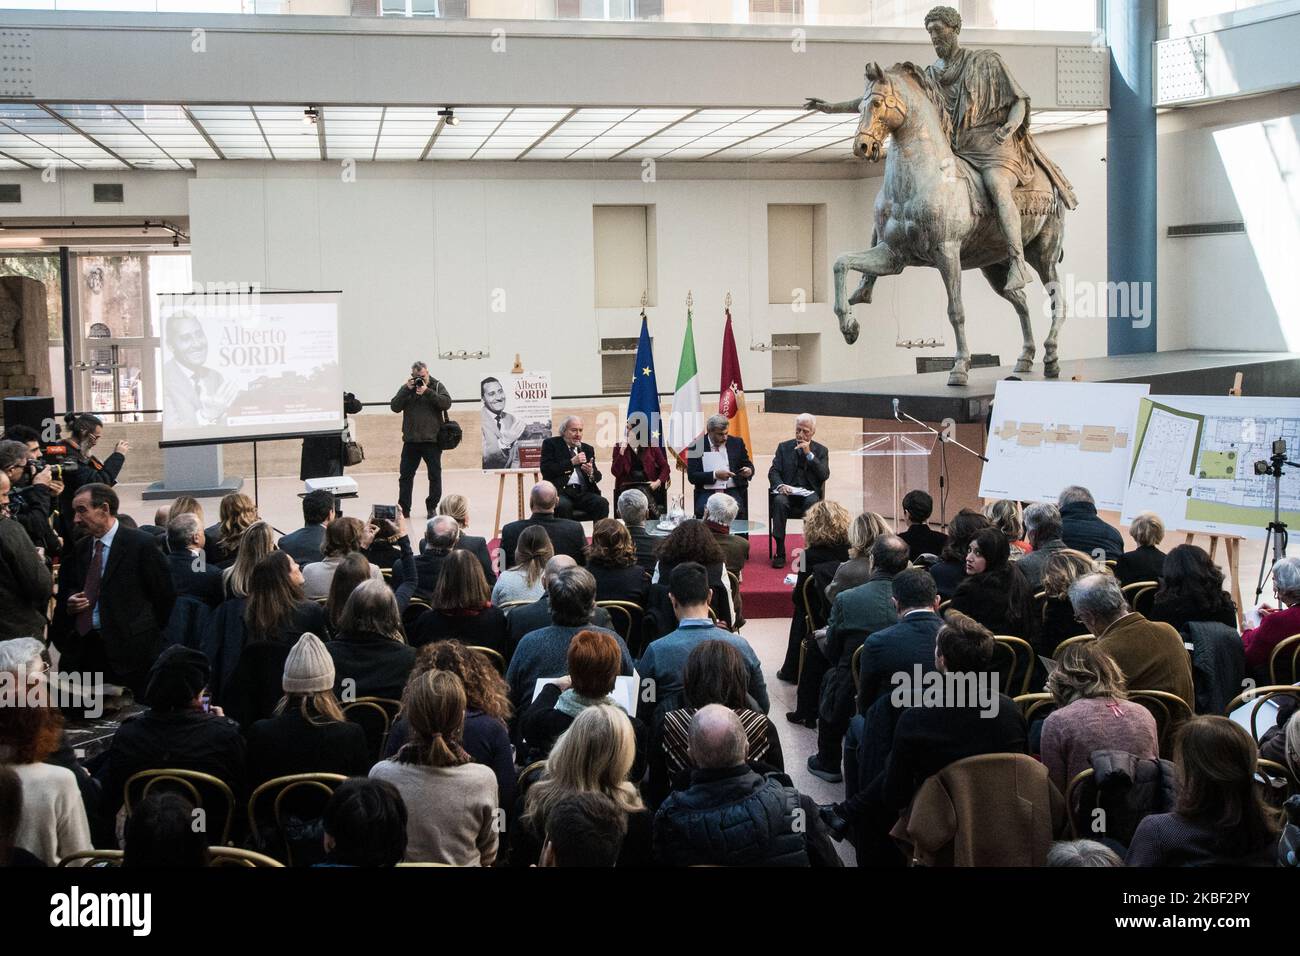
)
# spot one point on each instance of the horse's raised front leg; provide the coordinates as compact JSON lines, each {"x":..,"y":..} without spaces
{"x":879,"y":260}
{"x":948,"y":262}
{"x":997,"y":277}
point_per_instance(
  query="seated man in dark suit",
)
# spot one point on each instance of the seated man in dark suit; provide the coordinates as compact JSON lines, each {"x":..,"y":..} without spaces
{"x":799,"y":462}
{"x":920,"y":537}
{"x":532,"y":617}
{"x":734,"y":479}
{"x":440,"y":536}
{"x":897,"y":648}
{"x":633,"y":509}
{"x":306,"y":544}
{"x":191,"y":573}
{"x":567,"y":536}
{"x":115,"y":594}
{"x":569,"y":464}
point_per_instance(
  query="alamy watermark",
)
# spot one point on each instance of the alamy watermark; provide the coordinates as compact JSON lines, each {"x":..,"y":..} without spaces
{"x":922,"y":688}
{"x":1086,"y":299}
{"x":61,"y":690}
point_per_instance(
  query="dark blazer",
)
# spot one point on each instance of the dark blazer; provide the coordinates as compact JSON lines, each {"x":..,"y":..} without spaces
{"x":478,"y":547}
{"x":204,"y":585}
{"x":622,"y":584}
{"x":647,"y":546}
{"x":1144,"y":563}
{"x":1084,"y":531}
{"x":788,"y":460}
{"x":922,"y":539}
{"x":896,"y":649}
{"x":948,"y":576}
{"x":557,"y":464}
{"x":305,"y":545}
{"x":487,"y":628}
{"x":567,"y":536}
{"x":737,"y":458}
{"x":135,"y":599}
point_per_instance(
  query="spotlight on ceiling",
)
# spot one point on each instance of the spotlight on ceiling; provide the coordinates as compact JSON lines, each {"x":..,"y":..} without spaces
{"x":309,"y":116}
{"x":450,"y":116}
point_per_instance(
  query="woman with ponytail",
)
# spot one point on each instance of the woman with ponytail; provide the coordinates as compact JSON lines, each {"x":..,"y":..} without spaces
{"x":451,"y":802}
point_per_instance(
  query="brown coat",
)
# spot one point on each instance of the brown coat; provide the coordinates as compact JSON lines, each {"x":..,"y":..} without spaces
{"x":989,"y":810}
{"x":1151,"y":655}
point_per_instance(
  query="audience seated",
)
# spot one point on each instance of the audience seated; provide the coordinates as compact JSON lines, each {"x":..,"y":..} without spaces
{"x":719,"y":511}
{"x":237,"y":512}
{"x":544,"y":652}
{"x":633,"y":509}
{"x":352,"y":572}
{"x":11,"y":815}
{"x":640,"y":465}
{"x":160,"y":834}
{"x":950,"y":569}
{"x":994,"y":591}
{"x":584,"y":829}
{"x":531,"y":617}
{"x":569,"y":464}
{"x":1056,"y":621}
{"x":595,"y":755}
{"x":1008,"y":517}
{"x":457,"y":506}
{"x":1274,"y":625}
{"x":365,"y":824}
{"x":661,"y":665}
{"x":1082,"y":853}
{"x":451,"y":801}
{"x":1150,"y":654}
{"x":715,"y":673}
{"x":732,"y":816}
{"x":344,"y":536}
{"x":178,"y":731}
{"x":255,"y":543}
{"x":594,"y":659}
{"x":191,"y":574}
{"x":51,"y":822}
{"x":1146,"y":561}
{"x":1220,"y":819}
{"x":611,"y":559}
{"x":1043,"y":530}
{"x":856,"y":615}
{"x":486,"y":736}
{"x":901,"y":647}
{"x":733,"y":478}
{"x":920,"y":537}
{"x":1082,"y":530}
{"x":522,"y":581}
{"x":1191,"y":589}
{"x":825,"y":551}
{"x":865,"y":528}
{"x":567,"y":536}
{"x":371,"y":656}
{"x":307,"y":544}
{"x":462,"y":608}
{"x":1093,"y":712}
{"x":689,"y":541}
{"x":307,"y":733}
{"x":441,"y":533}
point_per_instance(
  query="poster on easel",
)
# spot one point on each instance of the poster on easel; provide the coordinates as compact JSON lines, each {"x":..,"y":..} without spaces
{"x":515,"y":420}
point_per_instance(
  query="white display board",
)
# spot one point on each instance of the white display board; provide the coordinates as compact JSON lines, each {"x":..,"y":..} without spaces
{"x":243,"y":366}
{"x":1047,"y":435}
{"x":1194,"y":462}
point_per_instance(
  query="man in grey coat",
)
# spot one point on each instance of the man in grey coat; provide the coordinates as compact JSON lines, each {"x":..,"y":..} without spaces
{"x":421,"y":400}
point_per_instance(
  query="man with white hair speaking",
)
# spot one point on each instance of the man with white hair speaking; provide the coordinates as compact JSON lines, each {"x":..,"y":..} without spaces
{"x":569,"y":464}
{"x":797,"y":479}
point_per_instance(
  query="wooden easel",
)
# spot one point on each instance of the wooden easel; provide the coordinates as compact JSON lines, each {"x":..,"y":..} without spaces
{"x":516,"y":369}
{"x":1231,"y":542}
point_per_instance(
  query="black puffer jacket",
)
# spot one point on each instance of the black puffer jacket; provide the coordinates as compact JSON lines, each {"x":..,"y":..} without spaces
{"x":731,"y":817}
{"x":1127,"y":788}
{"x":1082,"y":530}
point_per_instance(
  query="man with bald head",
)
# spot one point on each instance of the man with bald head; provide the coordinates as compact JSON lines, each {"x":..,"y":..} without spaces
{"x":800,"y":464}
{"x":567,"y":536}
{"x":569,"y":464}
{"x":731,"y":815}
{"x":532,"y":617}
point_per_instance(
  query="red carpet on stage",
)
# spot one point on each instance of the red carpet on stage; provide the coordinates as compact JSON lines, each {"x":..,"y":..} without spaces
{"x":763,"y":590}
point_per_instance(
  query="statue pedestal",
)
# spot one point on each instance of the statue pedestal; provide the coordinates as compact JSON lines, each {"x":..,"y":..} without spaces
{"x":192,"y":470}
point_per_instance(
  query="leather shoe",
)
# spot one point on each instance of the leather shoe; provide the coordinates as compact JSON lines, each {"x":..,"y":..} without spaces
{"x":836,"y":824}
{"x":830,"y":776}
{"x":797,"y":718}
{"x":786,"y":676}
{"x":778,"y":560}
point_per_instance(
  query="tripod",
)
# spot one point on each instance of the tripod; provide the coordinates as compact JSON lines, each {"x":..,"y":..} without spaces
{"x":1276,"y":539}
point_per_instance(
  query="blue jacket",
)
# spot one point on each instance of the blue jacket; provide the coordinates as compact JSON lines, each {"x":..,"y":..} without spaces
{"x":545,"y":653}
{"x":664,"y":661}
{"x":896,"y":649}
{"x":1082,"y":530}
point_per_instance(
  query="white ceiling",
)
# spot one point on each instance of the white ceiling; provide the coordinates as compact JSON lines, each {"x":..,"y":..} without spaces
{"x":118,"y":136}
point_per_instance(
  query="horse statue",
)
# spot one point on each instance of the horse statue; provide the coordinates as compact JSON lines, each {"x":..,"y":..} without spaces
{"x":933,"y":210}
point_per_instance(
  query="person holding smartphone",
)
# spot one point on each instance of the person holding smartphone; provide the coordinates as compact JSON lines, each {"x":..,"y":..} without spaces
{"x":421,"y":401}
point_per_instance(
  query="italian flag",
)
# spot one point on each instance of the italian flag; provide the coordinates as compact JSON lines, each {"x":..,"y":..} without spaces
{"x":686,"y":421}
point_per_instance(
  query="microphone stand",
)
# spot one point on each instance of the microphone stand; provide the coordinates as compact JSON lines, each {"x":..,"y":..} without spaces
{"x":944,"y":441}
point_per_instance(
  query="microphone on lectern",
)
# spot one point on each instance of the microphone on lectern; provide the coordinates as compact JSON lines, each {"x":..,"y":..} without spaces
{"x":896,"y":418}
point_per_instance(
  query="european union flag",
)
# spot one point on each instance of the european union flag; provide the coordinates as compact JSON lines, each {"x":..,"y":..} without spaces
{"x":643,"y":402}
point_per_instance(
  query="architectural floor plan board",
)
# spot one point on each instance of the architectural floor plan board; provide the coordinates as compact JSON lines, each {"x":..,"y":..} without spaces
{"x":1047,"y":435}
{"x":1194,"y":462}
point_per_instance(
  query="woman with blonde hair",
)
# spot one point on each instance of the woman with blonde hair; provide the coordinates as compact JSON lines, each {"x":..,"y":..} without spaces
{"x":457,"y":506}
{"x":236,"y":514}
{"x":856,"y":570}
{"x":826,"y":547}
{"x":451,"y":801}
{"x":185,"y":505}
{"x":595,"y":754}
{"x":257,"y":542}
{"x":344,"y":536}
{"x":1056,"y":615}
{"x":523,"y":582}
{"x":1093,"y":713}
{"x":1146,"y":562}
{"x":1009,"y":518}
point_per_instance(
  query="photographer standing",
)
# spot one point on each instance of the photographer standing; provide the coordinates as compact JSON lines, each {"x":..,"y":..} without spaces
{"x":33,"y":492}
{"x":422,"y":401}
{"x":80,"y":467}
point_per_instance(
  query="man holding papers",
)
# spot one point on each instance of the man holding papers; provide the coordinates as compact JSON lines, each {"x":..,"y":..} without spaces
{"x":798,"y":474}
{"x":723,"y":465}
